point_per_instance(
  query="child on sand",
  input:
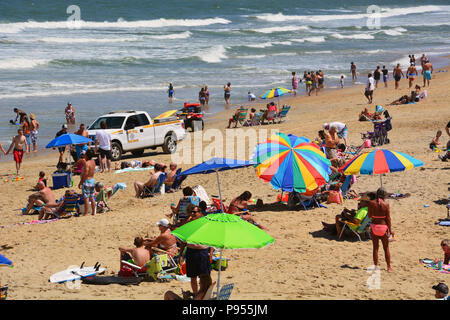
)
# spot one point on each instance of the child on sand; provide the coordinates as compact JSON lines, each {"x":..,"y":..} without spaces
{"x":435,"y":142}
{"x":342,"y":82}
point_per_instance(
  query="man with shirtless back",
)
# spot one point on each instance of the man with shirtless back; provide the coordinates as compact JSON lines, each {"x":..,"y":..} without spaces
{"x":398,"y":74}
{"x":427,"y":70}
{"x":84,"y":146}
{"x":43,"y":196}
{"x":19,"y":142}
{"x":165,"y":241}
{"x":138,"y":256}
{"x":87,"y":183}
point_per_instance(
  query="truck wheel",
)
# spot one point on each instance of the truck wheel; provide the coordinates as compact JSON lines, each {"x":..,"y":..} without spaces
{"x":138,"y":152}
{"x":170,"y":144}
{"x":116,"y":151}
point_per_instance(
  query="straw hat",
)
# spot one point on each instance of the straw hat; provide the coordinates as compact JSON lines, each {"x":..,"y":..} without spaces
{"x":32,"y":117}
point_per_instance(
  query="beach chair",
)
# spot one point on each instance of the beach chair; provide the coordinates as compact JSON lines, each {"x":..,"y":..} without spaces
{"x":202,"y":194}
{"x":242,"y":116}
{"x":357,"y":229}
{"x":345,"y":187}
{"x":224,"y":292}
{"x":283,"y":113}
{"x":102,"y":197}
{"x":216,"y":202}
{"x":182,"y":214}
{"x":270,"y":117}
{"x":352,"y":150}
{"x":151,"y":192}
{"x":178,"y":181}
{"x":158,"y":264}
{"x":255,"y":121}
{"x":4,"y":293}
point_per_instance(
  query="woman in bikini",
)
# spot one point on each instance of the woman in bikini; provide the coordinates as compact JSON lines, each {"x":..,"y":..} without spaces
{"x":380,"y":227}
{"x":239,"y":205}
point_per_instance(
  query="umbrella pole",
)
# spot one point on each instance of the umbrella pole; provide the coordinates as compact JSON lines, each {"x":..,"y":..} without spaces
{"x":220,"y":194}
{"x":218,"y":276}
{"x":381,"y":180}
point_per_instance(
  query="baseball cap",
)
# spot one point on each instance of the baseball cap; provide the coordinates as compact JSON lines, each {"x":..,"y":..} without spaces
{"x":64,"y":126}
{"x":163,"y":222}
{"x":325,"y":125}
{"x":441,"y":287}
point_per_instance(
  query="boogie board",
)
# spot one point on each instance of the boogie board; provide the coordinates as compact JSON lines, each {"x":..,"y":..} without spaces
{"x":76,"y":273}
{"x":14,"y":123}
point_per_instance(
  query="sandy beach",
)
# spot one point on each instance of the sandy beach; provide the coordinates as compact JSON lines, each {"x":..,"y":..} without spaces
{"x":303,"y":263}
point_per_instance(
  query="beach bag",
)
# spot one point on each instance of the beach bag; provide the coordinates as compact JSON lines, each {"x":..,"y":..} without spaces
{"x":388,"y":125}
{"x":224,"y":265}
{"x":335,"y":197}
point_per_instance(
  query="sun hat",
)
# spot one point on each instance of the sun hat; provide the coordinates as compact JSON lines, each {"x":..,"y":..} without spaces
{"x":64,"y":126}
{"x":32,"y":117}
{"x":163,"y":222}
{"x":379,"y":109}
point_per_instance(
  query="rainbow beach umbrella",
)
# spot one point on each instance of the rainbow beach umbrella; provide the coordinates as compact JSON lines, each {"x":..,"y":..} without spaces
{"x":378,"y":162}
{"x":275,"y":93}
{"x":291,"y":163}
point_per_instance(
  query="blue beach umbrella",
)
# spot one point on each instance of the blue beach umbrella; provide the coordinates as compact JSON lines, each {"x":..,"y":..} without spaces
{"x":67,"y":139}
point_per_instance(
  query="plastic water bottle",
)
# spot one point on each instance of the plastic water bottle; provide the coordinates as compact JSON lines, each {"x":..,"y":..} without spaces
{"x":426,"y":205}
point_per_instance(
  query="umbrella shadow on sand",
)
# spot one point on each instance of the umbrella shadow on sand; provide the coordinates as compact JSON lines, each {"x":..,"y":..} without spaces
{"x":333,"y":237}
{"x":276,"y":206}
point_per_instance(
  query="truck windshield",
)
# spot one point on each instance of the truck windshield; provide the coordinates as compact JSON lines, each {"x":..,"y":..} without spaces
{"x":111,"y":123}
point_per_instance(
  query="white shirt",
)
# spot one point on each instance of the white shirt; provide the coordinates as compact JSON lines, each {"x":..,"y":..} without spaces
{"x":370,"y":84}
{"x":104,"y":140}
{"x":338,"y":125}
{"x":251,"y":96}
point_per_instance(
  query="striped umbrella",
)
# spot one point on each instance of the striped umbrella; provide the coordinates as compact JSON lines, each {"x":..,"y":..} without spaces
{"x":291,"y":163}
{"x":379,"y":161}
{"x":275,"y":93}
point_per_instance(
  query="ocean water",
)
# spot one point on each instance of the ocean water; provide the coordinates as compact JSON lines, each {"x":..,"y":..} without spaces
{"x":121,"y":55}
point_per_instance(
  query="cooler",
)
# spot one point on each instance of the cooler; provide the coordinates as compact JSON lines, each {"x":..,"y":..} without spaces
{"x":61,"y":180}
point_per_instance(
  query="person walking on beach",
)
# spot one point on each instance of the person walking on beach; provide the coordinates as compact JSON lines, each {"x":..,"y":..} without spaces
{"x":398,"y":74}
{"x":411,"y":73}
{"x":353,"y":71}
{"x":427,"y":70}
{"x":294,"y":83}
{"x":70,"y":114}
{"x":369,"y":88}
{"x":381,"y":228}
{"x":87,"y":183}
{"x":34,"y":130}
{"x":377,"y":76}
{"x":103,"y":147}
{"x":308,"y":82}
{"x":423,"y":60}
{"x":385,"y":76}
{"x":227,"y":92}
{"x":170,"y":91}
{"x":26,"y":131}
{"x":20,"y":144}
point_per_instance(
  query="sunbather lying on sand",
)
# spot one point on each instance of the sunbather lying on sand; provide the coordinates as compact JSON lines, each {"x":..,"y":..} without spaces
{"x":402,"y":100}
{"x":365,"y":115}
{"x":138,"y":256}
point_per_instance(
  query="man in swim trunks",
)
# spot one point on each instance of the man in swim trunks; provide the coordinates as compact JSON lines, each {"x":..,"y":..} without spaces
{"x":87,"y":183}
{"x":380,"y":227}
{"x":43,"y":196}
{"x":411,"y":74}
{"x":19,"y":142}
{"x":171,"y":175}
{"x":385,"y":75}
{"x":84,"y":146}
{"x":165,"y":241}
{"x":138,"y":256}
{"x":353,"y":71}
{"x":170,"y":91}
{"x":427,"y":70}
{"x":398,"y":74}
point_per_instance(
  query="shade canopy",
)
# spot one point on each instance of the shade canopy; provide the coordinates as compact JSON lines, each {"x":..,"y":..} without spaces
{"x":215,"y":165}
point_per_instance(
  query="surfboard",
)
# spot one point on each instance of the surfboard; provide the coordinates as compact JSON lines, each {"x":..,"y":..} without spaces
{"x":166,"y":114}
{"x":76,"y":273}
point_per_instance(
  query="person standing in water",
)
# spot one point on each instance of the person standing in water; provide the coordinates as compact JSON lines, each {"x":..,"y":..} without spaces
{"x":206,"y":95}
{"x":227,"y":92}
{"x":294,"y":83}
{"x":353,"y":71}
{"x":381,"y":228}
{"x":170,"y":91}
{"x":377,"y":76}
{"x":70,"y":114}
{"x":34,"y":126}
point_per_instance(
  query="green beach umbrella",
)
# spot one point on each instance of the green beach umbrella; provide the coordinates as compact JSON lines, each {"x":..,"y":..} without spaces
{"x":223,"y":231}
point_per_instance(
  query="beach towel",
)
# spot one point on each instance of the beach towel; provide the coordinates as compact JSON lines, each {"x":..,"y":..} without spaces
{"x":29,"y":223}
{"x":445,"y":223}
{"x":429,"y":264}
{"x":132,"y":169}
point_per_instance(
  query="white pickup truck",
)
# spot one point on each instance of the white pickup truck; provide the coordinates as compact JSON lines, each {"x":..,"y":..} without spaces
{"x":135,"y":131}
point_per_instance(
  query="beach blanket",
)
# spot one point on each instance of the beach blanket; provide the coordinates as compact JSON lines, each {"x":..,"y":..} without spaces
{"x":28,"y":223}
{"x":132,"y":169}
{"x":429,"y":264}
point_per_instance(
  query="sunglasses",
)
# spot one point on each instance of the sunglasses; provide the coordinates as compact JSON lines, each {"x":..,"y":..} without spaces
{"x":443,"y":245}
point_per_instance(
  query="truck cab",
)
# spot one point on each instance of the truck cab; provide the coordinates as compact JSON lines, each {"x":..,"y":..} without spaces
{"x":135,"y":131}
